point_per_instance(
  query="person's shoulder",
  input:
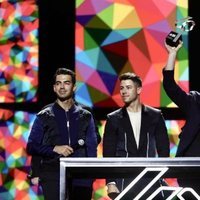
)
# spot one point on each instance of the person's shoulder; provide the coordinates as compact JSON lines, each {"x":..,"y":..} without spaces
{"x":151,"y":109}
{"x":82,"y":109}
{"x":115,"y":113}
{"x":195,"y":93}
{"x":86,"y":111}
{"x":48,"y":106}
{"x":195,"y":97}
{"x":46,"y":109}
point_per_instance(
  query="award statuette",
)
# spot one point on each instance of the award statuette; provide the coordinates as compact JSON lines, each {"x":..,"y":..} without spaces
{"x":185,"y":24}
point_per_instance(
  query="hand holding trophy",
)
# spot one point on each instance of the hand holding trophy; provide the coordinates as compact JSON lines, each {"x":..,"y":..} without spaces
{"x":186,"y":24}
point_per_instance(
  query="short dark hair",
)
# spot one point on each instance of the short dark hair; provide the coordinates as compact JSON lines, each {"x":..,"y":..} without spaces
{"x":129,"y":75}
{"x":65,"y":71}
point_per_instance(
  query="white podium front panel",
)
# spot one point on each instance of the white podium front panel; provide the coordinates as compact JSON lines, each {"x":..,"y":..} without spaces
{"x":127,"y":167}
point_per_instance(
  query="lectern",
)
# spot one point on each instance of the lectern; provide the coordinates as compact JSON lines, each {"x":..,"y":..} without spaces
{"x":131,"y":167}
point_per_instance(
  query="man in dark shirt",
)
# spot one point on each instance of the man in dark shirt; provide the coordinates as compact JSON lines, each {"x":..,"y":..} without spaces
{"x":189,"y":103}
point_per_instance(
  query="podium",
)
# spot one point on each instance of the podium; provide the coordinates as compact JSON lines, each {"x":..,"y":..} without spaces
{"x":129,"y":167}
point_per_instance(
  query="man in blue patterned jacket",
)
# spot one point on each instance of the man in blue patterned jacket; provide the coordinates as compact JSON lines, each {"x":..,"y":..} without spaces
{"x":62,"y":129}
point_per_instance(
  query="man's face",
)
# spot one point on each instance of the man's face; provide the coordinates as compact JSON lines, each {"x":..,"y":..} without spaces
{"x":129,"y":91}
{"x":63,"y":87}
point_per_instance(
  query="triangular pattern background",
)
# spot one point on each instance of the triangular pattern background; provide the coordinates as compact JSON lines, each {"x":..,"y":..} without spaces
{"x":116,"y":36}
{"x":112,"y":36}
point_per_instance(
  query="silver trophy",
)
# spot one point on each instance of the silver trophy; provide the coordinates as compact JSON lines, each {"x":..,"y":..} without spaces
{"x":184,"y":25}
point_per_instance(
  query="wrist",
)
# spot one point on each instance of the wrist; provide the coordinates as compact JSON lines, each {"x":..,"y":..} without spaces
{"x":55,"y":149}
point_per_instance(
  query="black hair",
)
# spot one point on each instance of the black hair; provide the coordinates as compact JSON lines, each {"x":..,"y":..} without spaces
{"x":129,"y":75}
{"x":65,"y":71}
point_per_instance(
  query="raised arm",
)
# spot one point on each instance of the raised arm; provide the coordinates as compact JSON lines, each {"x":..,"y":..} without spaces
{"x":173,"y":90}
{"x":172,"y":56}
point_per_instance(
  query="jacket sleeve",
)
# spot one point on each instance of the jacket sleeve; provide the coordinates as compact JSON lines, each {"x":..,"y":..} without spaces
{"x":109,"y":142}
{"x":162,"y":139}
{"x":175,"y":93}
{"x":35,"y":166}
{"x":34,"y":145}
{"x":109,"y":138}
{"x":91,"y":138}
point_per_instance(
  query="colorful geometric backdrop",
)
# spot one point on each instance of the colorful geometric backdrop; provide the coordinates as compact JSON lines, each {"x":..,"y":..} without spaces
{"x":18,"y":51}
{"x":112,"y":36}
{"x":116,"y":36}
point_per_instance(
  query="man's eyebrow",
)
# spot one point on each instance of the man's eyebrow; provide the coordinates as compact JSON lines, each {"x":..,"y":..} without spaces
{"x":125,"y":85}
{"x":64,"y":81}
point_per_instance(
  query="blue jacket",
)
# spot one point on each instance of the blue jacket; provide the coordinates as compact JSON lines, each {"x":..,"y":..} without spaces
{"x":50,"y":129}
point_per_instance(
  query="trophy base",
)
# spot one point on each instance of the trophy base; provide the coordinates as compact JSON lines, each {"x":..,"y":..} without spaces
{"x":173,"y":39}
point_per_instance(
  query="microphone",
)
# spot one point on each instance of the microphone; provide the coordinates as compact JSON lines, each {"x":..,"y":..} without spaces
{"x":80,"y":145}
{"x":81,"y":142}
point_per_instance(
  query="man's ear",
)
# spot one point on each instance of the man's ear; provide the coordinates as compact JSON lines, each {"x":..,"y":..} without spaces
{"x":139,"y":90}
{"x":74,"y":88}
{"x":54,"y":88}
